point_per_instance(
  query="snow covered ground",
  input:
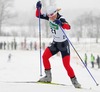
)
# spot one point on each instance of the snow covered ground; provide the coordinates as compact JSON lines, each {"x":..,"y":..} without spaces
{"x":25,"y":66}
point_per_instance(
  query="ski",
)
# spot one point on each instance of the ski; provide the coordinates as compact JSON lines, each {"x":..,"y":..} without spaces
{"x":52,"y":83}
{"x":45,"y":83}
{"x":85,"y":88}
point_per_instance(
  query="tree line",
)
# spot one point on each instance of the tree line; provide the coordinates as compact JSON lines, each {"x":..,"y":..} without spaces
{"x":85,"y":25}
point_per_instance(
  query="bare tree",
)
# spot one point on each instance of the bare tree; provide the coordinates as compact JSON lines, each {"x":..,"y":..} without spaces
{"x":97,"y":27}
{"x":78,"y":27}
{"x":85,"y":24}
{"x":4,"y":12}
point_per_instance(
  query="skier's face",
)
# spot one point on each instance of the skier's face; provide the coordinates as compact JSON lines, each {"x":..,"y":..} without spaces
{"x":53,"y":16}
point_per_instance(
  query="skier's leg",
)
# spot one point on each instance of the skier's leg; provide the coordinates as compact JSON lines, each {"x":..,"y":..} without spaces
{"x":46,"y":55}
{"x":71,"y":74}
{"x":66,"y":63}
{"x":65,"y":52}
{"x":48,"y":77}
{"x":50,"y":51}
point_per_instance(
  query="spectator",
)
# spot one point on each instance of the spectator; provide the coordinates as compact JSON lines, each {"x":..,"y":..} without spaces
{"x":92,"y":60}
{"x":98,"y":61}
{"x":12,"y":45}
{"x":4,"y":45}
{"x":35,"y":45}
{"x":1,"y":44}
{"x":85,"y":59}
{"x":31,"y":45}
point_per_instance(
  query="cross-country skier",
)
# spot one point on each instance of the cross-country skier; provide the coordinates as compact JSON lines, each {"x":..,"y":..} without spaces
{"x":9,"y":57}
{"x":60,"y":43}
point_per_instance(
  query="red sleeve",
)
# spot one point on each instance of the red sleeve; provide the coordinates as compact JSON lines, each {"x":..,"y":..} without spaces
{"x":66,"y":26}
{"x":38,"y":12}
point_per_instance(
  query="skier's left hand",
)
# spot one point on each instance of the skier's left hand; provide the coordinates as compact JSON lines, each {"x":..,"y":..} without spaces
{"x":57,"y":21}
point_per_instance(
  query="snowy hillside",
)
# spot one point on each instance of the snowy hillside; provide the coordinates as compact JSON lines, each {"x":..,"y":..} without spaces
{"x":24,"y":66}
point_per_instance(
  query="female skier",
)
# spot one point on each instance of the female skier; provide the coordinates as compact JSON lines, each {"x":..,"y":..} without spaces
{"x":60,"y":43}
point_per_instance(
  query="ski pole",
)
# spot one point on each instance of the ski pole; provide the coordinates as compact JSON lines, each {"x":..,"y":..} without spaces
{"x":79,"y":57}
{"x":40,"y":43}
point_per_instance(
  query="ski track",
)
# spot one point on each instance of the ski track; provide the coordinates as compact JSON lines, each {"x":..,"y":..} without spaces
{"x":24,"y":66}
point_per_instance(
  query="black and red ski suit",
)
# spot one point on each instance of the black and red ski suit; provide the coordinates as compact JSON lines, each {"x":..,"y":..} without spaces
{"x":55,"y":47}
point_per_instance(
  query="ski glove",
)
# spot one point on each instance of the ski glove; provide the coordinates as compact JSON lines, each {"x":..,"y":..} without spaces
{"x":38,"y":5}
{"x":57,"y":21}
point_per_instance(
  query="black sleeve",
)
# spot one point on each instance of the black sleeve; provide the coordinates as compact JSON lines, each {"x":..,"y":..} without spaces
{"x":44,"y":16}
{"x":63,"y":20}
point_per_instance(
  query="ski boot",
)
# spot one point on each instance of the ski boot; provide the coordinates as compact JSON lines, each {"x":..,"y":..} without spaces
{"x":75,"y":82}
{"x":47,"y":78}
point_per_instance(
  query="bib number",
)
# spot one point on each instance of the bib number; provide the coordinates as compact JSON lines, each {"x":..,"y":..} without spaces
{"x":53,"y":31}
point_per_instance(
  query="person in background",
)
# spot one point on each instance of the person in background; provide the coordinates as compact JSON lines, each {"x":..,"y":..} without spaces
{"x":98,"y":61}
{"x":31,"y":45}
{"x":85,"y":59}
{"x":92,"y":60}
{"x":9,"y":57}
{"x":35,"y":45}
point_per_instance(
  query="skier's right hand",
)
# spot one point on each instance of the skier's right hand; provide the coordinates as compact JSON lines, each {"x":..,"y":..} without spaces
{"x":38,"y":5}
